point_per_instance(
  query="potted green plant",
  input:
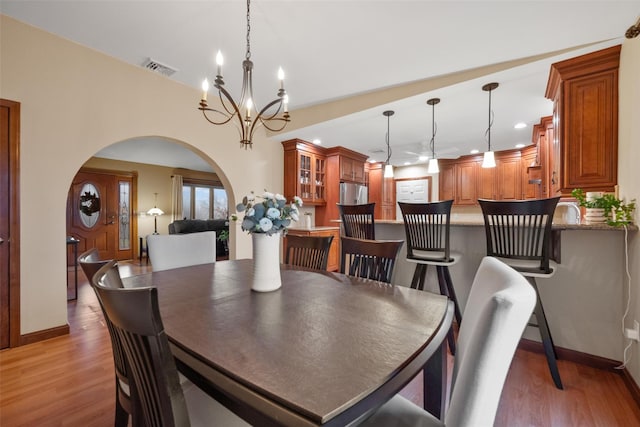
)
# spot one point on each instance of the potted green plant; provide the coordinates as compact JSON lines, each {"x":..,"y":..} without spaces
{"x":223,"y":236}
{"x":614,"y":211}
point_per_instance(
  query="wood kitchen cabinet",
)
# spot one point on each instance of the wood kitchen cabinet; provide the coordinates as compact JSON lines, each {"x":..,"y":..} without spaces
{"x":508,"y":176}
{"x":531,"y":174}
{"x":350,"y":164}
{"x":304,"y":172}
{"x":465,"y":180}
{"x":337,"y":157}
{"x":543,"y":140}
{"x":333,"y":261}
{"x":466,"y":183}
{"x":585,"y":95}
{"x":381,"y":192}
{"x":486,"y":182}
{"x":447,"y":180}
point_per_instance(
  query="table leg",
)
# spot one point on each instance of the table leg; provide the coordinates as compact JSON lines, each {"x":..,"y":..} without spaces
{"x":435,"y":382}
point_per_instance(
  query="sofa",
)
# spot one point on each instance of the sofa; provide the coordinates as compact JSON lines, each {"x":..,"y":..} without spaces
{"x":186,"y":226}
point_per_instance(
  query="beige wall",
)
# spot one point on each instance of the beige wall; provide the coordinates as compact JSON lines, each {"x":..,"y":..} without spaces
{"x":629,"y":179}
{"x":76,"y":101}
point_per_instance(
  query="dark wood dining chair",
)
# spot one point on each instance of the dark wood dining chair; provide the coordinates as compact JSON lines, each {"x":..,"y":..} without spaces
{"x":90,"y":263}
{"x":427,"y":228}
{"x":499,"y":306}
{"x":308,"y":251}
{"x":519,"y":233}
{"x":163,"y":397}
{"x":370,"y":259}
{"x":357,"y":221}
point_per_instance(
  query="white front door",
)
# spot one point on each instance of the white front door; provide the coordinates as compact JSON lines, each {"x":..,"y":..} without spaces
{"x":411,"y":191}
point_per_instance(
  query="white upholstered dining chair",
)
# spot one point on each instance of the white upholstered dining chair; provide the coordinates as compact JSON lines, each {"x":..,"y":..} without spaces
{"x":168,"y":251}
{"x":497,"y":311}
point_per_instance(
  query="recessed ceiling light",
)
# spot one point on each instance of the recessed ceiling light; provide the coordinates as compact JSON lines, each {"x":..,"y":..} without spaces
{"x":474,"y":151}
{"x":519,"y":145}
{"x":372,"y":160}
{"x":520,"y":125}
{"x":407,"y":163}
{"x":423,"y":158}
{"x":317,"y":141}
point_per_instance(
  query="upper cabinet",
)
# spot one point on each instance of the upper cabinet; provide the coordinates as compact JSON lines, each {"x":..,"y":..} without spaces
{"x":584,"y":152}
{"x":304,"y":172}
{"x":464,"y":180}
{"x":542,"y":170}
{"x":350,"y":164}
{"x":314,"y":174}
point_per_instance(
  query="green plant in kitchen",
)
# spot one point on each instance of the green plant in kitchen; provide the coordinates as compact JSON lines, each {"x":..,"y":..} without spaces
{"x":224,"y":235}
{"x":616,"y":211}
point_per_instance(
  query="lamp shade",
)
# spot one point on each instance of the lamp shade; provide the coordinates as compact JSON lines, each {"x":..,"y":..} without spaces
{"x":433,"y":166}
{"x":155,"y":211}
{"x":489,"y":160}
{"x":388,"y":171}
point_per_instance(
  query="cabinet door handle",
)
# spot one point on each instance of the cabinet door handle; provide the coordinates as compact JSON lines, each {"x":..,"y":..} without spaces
{"x":1,"y":240}
{"x":553,"y":178}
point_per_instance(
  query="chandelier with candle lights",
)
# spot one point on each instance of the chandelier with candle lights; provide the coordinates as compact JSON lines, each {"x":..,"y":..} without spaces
{"x":245,"y":114}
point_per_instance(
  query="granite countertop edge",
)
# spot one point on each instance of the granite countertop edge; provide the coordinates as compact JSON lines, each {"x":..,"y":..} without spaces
{"x":458,"y":223}
{"x":316,"y":228}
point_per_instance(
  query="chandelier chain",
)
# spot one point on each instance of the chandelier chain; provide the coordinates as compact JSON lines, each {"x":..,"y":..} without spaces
{"x":248,"y":55}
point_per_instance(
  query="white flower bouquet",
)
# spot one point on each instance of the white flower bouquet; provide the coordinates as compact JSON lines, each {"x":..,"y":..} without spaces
{"x":268,"y":214}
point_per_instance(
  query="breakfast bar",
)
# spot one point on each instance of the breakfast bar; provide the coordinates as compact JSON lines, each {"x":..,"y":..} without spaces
{"x":585,"y":299}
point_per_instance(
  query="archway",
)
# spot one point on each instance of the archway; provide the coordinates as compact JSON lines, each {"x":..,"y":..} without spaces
{"x":151,"y":163}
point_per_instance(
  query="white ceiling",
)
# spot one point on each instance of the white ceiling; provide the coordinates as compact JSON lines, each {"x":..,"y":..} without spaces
{"x":332,"y":50}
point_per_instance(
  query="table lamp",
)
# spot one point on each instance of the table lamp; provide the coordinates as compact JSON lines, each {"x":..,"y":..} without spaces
{"x":155,"y":211}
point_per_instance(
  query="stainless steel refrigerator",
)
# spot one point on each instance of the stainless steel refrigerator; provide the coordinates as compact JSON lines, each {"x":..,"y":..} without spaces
{"x":353,"y":194}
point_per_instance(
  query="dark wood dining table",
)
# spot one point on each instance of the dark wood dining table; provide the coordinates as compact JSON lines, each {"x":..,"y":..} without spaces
{"x":325,"y":349}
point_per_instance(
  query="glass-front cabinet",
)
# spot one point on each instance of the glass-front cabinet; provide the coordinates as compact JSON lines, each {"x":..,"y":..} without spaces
{"x":304,"y":172}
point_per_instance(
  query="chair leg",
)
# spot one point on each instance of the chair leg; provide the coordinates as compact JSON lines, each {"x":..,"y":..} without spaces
{"x":452,"y":294}
{"x":419,"y":277}
{"x":443,"y":290}
{"x":545,"y":334}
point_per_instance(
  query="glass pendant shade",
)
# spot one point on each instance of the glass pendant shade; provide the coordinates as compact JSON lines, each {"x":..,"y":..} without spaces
{"x":433,"y":166}
{"x":388,"y":171}
{"x":489,"y":160}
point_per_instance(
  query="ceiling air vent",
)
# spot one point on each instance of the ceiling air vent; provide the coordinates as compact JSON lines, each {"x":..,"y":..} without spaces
{"x":155,"y":66}
{"x":377,"y":151}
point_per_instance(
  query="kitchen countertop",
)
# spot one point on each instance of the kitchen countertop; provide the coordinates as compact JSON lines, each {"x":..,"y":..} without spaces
{"x":557,"y":226}
{"x":318,"y":228}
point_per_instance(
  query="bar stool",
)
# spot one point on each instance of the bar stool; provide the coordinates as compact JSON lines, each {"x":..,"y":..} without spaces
{"x":427,"y":227}
{"x":357,"y":221}
{"x":519,"y":234}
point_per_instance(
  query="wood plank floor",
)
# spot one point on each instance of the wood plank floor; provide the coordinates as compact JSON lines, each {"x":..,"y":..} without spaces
{"x":69,"y":381}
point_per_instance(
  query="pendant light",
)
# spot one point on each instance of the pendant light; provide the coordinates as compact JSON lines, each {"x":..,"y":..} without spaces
{"x":489,"y":160}
{"x":433,"y":162}
{"x":388,"y":168}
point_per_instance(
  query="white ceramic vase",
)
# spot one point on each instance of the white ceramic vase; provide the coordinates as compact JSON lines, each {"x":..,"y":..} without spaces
{"x":266,"y":262}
